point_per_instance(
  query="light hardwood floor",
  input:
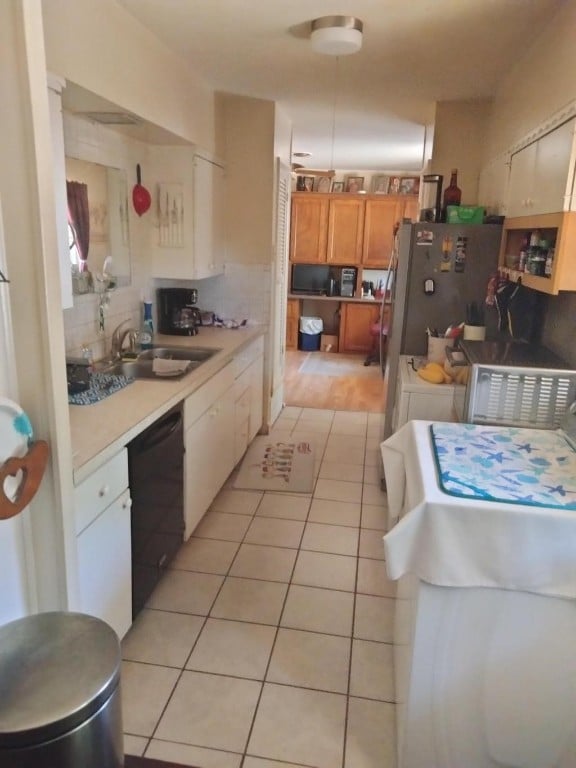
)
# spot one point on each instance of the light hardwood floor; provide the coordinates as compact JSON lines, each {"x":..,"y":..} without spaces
{"x":364,"y":392}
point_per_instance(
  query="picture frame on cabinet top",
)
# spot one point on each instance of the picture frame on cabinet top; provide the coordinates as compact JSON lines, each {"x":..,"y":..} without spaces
{"x":304,"y":183}
{"x":322,"y":184}
{"x":380,"y":185}
{"x":409,"y":185}
{"x":354,"y":183}
{"x":337,"y":186}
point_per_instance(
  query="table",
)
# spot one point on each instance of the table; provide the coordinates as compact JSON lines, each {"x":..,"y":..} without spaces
{"x":484,"y":652}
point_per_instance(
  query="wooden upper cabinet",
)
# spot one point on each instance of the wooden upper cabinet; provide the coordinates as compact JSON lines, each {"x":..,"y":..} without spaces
{"x":411,"y":209}
{"x":345,"y":230}
{"x":380,"y":219}
{"x":308,"y":228}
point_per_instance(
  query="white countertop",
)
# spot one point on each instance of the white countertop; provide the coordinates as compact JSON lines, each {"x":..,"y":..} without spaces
{"x":100,"y":430}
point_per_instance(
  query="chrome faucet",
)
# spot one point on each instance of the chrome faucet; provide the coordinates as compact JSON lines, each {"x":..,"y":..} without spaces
{"x":119,"y":336}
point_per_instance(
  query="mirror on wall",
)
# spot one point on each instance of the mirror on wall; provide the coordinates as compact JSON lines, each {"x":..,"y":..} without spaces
{"x":99,"y":235}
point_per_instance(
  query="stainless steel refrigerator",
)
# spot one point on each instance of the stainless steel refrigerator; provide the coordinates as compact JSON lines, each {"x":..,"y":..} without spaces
{"x":437,"y":269}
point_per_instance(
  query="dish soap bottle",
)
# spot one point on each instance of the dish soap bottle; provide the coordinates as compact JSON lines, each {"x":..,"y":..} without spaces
{"x":147,"y":328}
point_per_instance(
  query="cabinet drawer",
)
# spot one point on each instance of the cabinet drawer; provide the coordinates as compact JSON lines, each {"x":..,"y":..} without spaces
{"x":199,"y":402}
{"x":248,"y":355}
{"x":99,"y":490}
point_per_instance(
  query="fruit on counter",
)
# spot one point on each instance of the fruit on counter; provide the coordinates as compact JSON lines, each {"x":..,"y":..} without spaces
{"x":433,"y":373}
{"x":461,"y":376}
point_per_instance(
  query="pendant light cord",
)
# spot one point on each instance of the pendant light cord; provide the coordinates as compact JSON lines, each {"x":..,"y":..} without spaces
{"x":334,"y":104}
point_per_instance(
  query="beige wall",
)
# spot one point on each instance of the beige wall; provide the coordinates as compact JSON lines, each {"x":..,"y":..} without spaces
{"x":249,"y":152}
{"x":542,"y":82}
{"x":459,"y":132}
{"x":98,"y":45}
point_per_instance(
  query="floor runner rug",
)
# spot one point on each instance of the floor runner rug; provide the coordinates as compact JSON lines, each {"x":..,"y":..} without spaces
{"x":274,"y":465}
{"x":329,"y":364}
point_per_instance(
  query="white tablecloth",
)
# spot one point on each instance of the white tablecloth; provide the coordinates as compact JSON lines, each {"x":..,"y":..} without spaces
{"x":457,"y":542}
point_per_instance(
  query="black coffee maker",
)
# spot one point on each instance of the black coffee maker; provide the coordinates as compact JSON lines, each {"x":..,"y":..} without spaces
{"x":177,"y":313}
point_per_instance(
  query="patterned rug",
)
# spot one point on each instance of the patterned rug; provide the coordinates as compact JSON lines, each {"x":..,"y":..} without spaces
{"x":271,"y":465}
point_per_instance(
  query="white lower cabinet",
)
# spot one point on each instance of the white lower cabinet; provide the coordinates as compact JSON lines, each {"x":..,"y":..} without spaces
{"x":248,"y":399}
{"x":418,"y":399}
{"x":209,"y":445}
{"x":220,"y":421}
{"x":102,"y":509}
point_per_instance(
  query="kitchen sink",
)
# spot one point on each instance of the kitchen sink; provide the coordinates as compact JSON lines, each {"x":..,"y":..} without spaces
{"x":194,"y":354}
{"x":143,"y":366}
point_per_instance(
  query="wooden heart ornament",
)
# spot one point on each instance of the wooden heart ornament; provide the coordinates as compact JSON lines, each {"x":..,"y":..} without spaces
{"x":24,"y":474}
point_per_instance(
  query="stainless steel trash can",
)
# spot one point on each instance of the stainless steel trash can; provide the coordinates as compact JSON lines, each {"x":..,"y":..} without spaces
{"x":60,"y":693}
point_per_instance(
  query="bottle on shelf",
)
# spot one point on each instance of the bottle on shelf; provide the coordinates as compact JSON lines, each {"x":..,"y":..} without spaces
{"x":147,"y":327}
{"x":549,"y":263}
{"x":452,"y":193}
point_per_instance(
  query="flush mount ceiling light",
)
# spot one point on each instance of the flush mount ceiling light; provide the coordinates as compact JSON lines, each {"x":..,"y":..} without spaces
{"x":336,"y":35}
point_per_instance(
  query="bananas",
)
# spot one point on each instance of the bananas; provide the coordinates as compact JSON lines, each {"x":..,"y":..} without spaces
{"x":462,"y":374}
{"x":434,"y":373}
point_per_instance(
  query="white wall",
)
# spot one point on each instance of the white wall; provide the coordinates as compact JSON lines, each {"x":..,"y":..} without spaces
{"x":542,"y":82}
{"x":458,"y":143}
{"x":98,"y":45}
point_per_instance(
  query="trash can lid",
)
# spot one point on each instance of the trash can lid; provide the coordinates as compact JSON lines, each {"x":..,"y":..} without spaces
{"x":56,"y":670}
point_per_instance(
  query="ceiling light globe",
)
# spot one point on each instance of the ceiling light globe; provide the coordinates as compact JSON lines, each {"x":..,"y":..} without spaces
{"x":336,"y":35}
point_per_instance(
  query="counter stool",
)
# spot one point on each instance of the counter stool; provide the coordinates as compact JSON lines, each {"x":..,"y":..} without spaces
{"x":374,"y":354}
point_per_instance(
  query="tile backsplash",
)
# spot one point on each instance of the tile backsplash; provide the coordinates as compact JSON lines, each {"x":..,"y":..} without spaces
{"x":241,"y":293}
{"x":81,"y":322}
{"x":559,"y":326}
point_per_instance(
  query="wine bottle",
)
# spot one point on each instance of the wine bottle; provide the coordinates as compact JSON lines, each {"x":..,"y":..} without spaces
{"x":452,"y":193}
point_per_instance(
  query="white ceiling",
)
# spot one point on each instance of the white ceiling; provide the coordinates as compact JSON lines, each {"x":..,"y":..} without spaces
{"x":414,"y":53}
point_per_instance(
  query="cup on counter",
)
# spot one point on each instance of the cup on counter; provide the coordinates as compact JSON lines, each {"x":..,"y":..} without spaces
{"x":437,"y":348}
{"x":474,"y":332}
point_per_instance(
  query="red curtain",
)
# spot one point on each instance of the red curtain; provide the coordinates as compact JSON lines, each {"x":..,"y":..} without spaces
{"x":79,"y":219}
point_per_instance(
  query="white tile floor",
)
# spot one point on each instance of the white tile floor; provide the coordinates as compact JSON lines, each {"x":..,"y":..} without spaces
{"x":268,"y":643}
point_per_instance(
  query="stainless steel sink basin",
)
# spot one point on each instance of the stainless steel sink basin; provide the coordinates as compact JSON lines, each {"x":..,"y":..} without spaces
{"x":194,"y":354}
{"x":133,"y":369}
{"x":143,"y":366}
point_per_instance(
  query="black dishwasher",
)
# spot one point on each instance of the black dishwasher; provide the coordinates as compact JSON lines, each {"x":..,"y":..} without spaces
{"x":156,"y":474}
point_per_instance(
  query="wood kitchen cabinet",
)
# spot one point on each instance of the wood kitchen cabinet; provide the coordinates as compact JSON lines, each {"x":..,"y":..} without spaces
{"x":380,"y":218}
{"x":292,"y":320}
{"x":308,"y":228}
{"x":557,"y":228}
{"x":355,"y":323}
{"x":346,"y":229}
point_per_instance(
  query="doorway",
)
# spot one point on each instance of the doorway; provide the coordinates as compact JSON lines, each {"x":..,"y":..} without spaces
{"x":332,"y":380}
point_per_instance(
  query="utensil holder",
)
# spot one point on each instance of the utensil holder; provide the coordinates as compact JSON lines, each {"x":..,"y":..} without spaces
{"x":474,"y":332}
{"x":437,"y":348}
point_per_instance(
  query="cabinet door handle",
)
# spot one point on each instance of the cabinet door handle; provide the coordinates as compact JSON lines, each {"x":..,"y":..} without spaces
{"x":104,"y":491}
